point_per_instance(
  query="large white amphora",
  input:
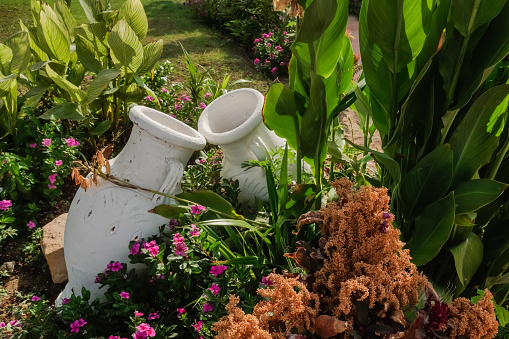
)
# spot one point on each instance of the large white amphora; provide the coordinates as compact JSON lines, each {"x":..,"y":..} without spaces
{"x":103,"y":219}
{"x":234,"y":122}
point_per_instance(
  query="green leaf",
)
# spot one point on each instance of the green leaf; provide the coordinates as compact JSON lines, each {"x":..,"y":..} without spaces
{"x":428,"y":181}
{"x":92,"y":9}
{"x":66,"y":16}
{"x":169,"y":211}
{"x":468,"y":257}
{"x":87,"y":55}
{"x":5,"y":59}
{"x":66,"y":110}
{"x":125,"y":46}
{"x":101,"y":127}
{"x":472,"y":143}
{"x":467,"y":15}
{"x":34,"y":95}
{"x":54,"y":36}
{"x":75,"y":93}
{"x":209,"y":199}
{"x":318,"y":43}
{"x":399,"y":29}
{"x":134,"y":14}
{"x":20,"y":46}
{"x":151,"y":54}
{"x":432,"y":229}
{"x":96,"y":34}
{"x":503,"y":279}
{"x":242,"y":261}
{"x":474,"y":194}
{"x":101,"y":81}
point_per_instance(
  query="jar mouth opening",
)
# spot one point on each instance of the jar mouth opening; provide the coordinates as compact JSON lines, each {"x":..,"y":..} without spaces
{"x":231,"y":116}
{"x":167,"y":128}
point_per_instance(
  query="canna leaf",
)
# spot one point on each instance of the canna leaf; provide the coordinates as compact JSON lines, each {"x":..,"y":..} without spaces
{"x":54,"y":37}
{"x":66,"y":110}
{"x":101,"y":81}
{"x":20,"y":46}
{"x":468,"y":256}
{"x":134,"y":14}
{"x":75,"y":93}
{"x":474,"y":194}
{"x":151,"y":54}
{"x":467,"y":15}
{"x":126,"y":48}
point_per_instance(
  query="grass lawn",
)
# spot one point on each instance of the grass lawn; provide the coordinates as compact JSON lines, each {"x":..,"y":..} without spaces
{"x":173,"y":22}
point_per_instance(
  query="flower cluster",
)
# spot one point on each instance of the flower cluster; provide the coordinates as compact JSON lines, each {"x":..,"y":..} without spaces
{"x":272,"y":52}
{"x":75,"y":326}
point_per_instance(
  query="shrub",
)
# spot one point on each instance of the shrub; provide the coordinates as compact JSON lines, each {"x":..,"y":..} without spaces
{"x":272,"y":52}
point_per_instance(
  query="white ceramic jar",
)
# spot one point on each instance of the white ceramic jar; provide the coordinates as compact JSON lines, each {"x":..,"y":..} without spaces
{"x":234,"y":122}
{"x":103,"y":219}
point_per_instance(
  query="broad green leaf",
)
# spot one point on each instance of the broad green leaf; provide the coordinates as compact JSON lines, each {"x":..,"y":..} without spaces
{"x":38,"y":65}
{"x":467,"y":15}
{"x":471,"y":142}
{"x":432,"y":229}
{"x":134,"y":14}
{"x":503,"y":279}
{"x":428,"y":181}
{"x":246,"y":260}
{"x":20,"y":46}
{"x":209,"y":199}
{"x":67,"y":110}
{"x":169,"y":211}
{"x":37,"y":49}
{"x":87,"y":55}
{"x":5,"y":59}
{"x":399,"y":28}
{"x":468,"y":257}
{"x":101,"y":81}
{"x":474,"y":194}
{"x":318,"y":43}
{"x":34,"y":95}
{"x":75,"y":93}
{"x":66,"y":16}
{"x":55,"y":38}
{"x":229,"y":222}
{"x":96,"y":34}
{"x":126,"y":48}
{"x":92,"y":9}
{"x":151,"y":54}
{"x":76,"y":73}
{"x":6,"y":84}
{"x":101,"y":128}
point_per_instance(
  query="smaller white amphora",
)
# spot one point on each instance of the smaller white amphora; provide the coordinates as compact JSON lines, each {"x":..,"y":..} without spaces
{"x":234,"y":122}
{"x":103,"y":219}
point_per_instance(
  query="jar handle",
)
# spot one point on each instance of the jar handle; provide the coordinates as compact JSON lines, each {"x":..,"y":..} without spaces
{"x":171,"y":182}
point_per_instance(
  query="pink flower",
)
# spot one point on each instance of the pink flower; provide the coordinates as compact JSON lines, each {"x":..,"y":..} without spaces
{"x":285,"y":32}
{"x":214,"y":288}
{"x":279,"y":48}
{"x":65,"y":301}
{"x":269,"y":44}
{"x":256,"y":61}
{"x":271,"y":56}
{"x":177,"y":106}
{"x":177,"y":239}
{"x":207,"y":95}
{"x":149,"y":98}
{"x":207,"y":307}
{"x":35,"y":298}
{"x":180,"y":249}
{"x":46,"y":142}
{"x":198,"y":326}
{"x":144,"y":330}
{"x":267,"y":61}
{"x":2,"y":324}
{"x":186,"y":97}
{"x":265,"y":36}
{"x":266,"y":281}
{"x":257,"y":41}
{"x":202,"y":161}
{"x":71,"y":142}
{"x":282,"y":63}
{"x":173,"y":115}
{"x":124,"y":295}
{"x":217,"y":270}
{"x":197,"y":209}
{"x":164,"y":90}
{"x":34,"y":145}
{"x":114,"y":267}
{"x":75,"y":326}
{"x":273,"y":70}
{"x":82,"y":322}
{"x":15,"y":323}
{"x":152,"y":248}
{"x":155,"y":315}
{"x":195,"y":231}
{"x":51,"y":186}
{"x":97,"y":279}
{"x":173,"y":223}
{"x":138,"y":314}
{"x":286,"y":40}
{"x":5,"y":205}
{"x":58,"y":163}
{"x":180,"y":311}
{"x":135,"y":248}
{"x":201,"y":105}
{"x":52,"y":177}
{"x":270,"y":33}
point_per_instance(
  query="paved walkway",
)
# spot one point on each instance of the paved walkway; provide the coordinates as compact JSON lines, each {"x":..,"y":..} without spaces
{"x":353,"y":28}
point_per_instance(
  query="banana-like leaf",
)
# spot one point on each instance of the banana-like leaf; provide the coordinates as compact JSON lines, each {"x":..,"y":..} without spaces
{"x":318,"y":43}
{"x":87,"y":55}
{"x":399,"y":28}
{"x":134,"y":14}
{"x":432,"y":229}
{"x":66,"y":110}
{"x":20,"y":46}
{"x":5,"y":59}
{"x":34,"y":95}
{"x":66,"y":17}
{"x":209,"y":199}
{"x":101,"y":127}
{"x":151,"y":54}
{"x":96,"y":34}
{"x":126,"y":48}
{"x":55,"y":17}
{"x":169,"y":211}
{"x":467,"y":15}
{"x":504,"y":279}
{"x":6,"y":83}
{"x":101,"y":81}
{"x":471,"y":142}
{"x":37,"y":51}
{"x":75,"y":93}
{"x":468,"y":256}
{"x":54,"y":37}
{"x":92,"y":9}
{"x":474,"y":194}
{"x":427,"y":182}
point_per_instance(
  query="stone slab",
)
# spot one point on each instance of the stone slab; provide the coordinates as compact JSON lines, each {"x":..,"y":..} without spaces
{"x":52,"y":245}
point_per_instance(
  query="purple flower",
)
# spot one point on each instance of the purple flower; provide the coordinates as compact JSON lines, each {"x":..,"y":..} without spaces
{"x":256,"y":61}
{"x":207,"y":95}
{"x":382,"y":228}
{"x":82,"y":322}
{"x":386,"y":215}
{"x":155,"y":315}
{"x":180,"y":311}
{"x":266,"y":281}
{"x":2,"y":324}
{"x":65,"y":301}
{"x":195,"y":231}
{"x":273,"y":70}
{"x":173,"y":223}
{"x":31,"y":224}
{"x":285,"y":32}
{"x":178,"y":239}
{"x":58,"y":163}
{"x":149,"y":98}
{"x":197,"y":209}
{"x":71,"y":142}
{"x":207,"y":307}
{"x":35,"y":298}
{"x":75,"y":326}
{"x":51,"y":186}
{"x":265,"y":36}
{"x":5,"y":205}
{"x":135,"y":248}
{"x":115,"y":266}
{"x":15,"y":323}
{"x":217,"y":270}
{"x":180,"y":249}
{"x":214,"y":288}
{"x":52,"y":178}
{"x":46,"y":142}
{"x":97,"y":279}
{"x":34,"y":145}
{"x":257,"y":41}
{"x":270,"y":33}
{"x":177,"y":106}
{"x":124,"y":295}
{"x":186,"y":97}
{"x":201,"y":105}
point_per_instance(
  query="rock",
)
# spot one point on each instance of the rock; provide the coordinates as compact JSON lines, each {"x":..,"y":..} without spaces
{"x":8,"y":266}
{"x":52,"y":244}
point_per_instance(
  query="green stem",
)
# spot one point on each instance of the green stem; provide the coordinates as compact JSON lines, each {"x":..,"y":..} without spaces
{"x":498,"y":161}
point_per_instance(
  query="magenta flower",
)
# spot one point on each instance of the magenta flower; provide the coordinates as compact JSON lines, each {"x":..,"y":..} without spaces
{"x":201,"y":105}
{"x":202,"y":161}
{"x":256,"y":61}
{"x":287,"y":40}
{"x":180,"y":311}
{"x":195,"y":231}
{"x":270,"y":33}
{"x":282,"y":63}
{"x":386,"y":215}
{"x":71,"y":142}
{"x":265,"y":36}
{"x":177,"y":239}
{"x":58,"y":163}
{"x":51,"y":186}
{"x":75,"y":326}
{"x":31,"y":224}
{"x":144,"y":330}
{"x":207,"y":95}
{"x":173,"y":115}
{"x":152,"y":248}
{"x":164,"y":90}
{"x":207,"y":307}
{"x":285,"y":32}
{"x":173,"y":223}
{"x":124,"y":295}
{"x":149,"y":98}
{"x":34,"y":145}
{"x":214,"y":288}
{"x":382,"y":228}
{"x":271,"y":56}
{"x":2,"y":324}
{"x":180,"y":249}
{"x":46,"y":142}
{"x":257,"y":41}
{"x":97,"y":279}
{"x":217,"y":270}
{"x":279,"y":48}
{"x":186,"y":97}
{"x":267,"y":61}
{"x":114,"y":267}
{"x":266,"y":281}
{"x":198,"y":326}
{"x":35,"y":298}
{"x":138,"y":314}
{"x":52,"y":177}
{"x":273,"y":70}
{"x":269,"y":44}
{"x":5,"y":205}
{"x":15,"y":323}
{"x":197,"y":209}
{"x":135,"y":248}
{"x":155,"y":315}
{"x":177,"y":106}
{"x":82,"y":322}
{"x":65,"y":301}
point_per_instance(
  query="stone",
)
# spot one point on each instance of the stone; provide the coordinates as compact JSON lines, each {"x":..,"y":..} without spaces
{"x":8,"y":267}
{"x":52,"y":245}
